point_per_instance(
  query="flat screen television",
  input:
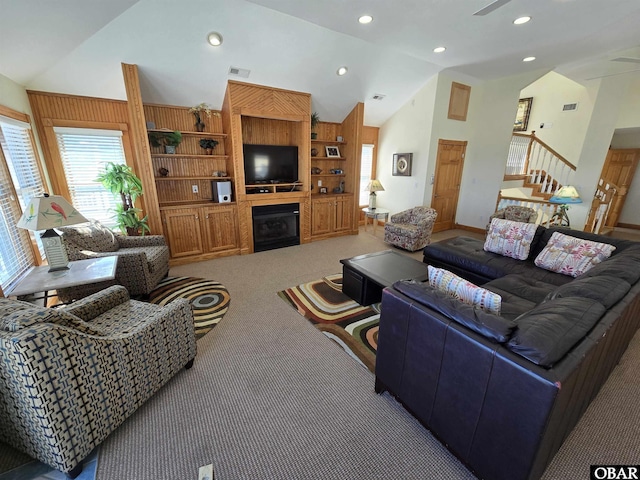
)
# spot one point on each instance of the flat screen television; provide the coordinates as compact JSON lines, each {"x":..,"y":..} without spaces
{"x":270,"y":164}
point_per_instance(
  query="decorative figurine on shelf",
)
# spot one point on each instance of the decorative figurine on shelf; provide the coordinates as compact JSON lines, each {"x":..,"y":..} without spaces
{"x":316,"y":171}
{"x":340,"y":188}
{"x":208,"y":144}
{"x":314,"y":152}
{"x":219,"y":174}
{"x":337,"y":171}
{"x":163,"y":172}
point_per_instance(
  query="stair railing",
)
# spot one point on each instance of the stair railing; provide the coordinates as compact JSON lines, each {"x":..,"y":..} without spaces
{"x":603,"y":198}
{"x":537,"y":163}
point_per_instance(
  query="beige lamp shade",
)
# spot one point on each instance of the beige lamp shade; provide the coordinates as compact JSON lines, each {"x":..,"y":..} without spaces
{"x":50,"y":211}
{"x":374,"y":186}
{"x":566,"y":194}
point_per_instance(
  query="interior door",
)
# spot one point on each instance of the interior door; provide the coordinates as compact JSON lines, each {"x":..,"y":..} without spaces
{"x":446,"y":182}
{"x":619,"y":168}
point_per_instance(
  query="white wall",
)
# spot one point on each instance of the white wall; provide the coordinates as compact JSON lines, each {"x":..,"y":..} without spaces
{"x":630,"y":111}
{"x":14,"y":96}
{"x":567,"y":132}
{"x":610,"y":94}
{"x":407,"y":131}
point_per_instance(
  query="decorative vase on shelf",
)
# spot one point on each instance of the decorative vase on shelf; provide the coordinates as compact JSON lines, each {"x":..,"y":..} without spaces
{"x":200,"y":126}
{"x":314,"y":152}
{"x":209,"y":151}
{"x":314,"y":135}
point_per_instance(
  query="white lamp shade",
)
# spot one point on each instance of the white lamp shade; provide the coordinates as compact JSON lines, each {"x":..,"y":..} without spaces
{"x":47,"y":212}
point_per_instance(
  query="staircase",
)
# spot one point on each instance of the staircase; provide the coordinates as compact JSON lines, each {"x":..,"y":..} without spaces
{"x":542,"y":172}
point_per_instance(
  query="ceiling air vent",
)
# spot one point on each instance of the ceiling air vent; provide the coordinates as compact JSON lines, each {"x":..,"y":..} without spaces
{"x":378,"y":96}
{"x":239,"y":72}
{"x":626,"y":60}
{"x":568,"y":107}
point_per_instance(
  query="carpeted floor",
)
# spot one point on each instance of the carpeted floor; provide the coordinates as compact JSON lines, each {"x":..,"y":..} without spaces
{"x":270,"y":397}
{"x":349,"y":324}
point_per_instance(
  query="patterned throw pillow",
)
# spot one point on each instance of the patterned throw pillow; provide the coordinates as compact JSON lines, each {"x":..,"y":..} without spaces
{"x":463,"y":290}
{"x":93,"y":236}
{"x":572,"y":256}
{"x":510,"y":239}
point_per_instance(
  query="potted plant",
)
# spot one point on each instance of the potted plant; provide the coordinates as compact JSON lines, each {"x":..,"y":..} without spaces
{"x":198,"y":111}
{"x":208,"y":144}
{"x":120,"y":180}
{"x":170,"y":140}
{"x":315,"y":119}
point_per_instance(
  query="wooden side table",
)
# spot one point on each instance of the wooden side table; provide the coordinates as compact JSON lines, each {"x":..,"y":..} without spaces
{"x":80,"y":272}
{"x":374,"y":214}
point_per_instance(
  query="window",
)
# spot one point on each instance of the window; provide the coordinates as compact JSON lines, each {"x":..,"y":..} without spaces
{"x":20,"y":180}
{"x":366,"y":173}
{"x":84,"y":152}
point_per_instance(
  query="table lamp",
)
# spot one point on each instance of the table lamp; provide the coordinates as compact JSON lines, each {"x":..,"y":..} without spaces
{"x":565,"y":195}
{"x":46,"y":213}
{"x":373,"y":187}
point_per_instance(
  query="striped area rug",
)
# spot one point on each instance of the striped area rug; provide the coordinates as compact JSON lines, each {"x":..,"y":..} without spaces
{"x":209,"y":299}
{"x":352,"y":326}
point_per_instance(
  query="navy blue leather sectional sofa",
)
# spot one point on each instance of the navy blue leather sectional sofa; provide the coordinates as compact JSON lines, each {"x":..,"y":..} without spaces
{"x":503,"y":392}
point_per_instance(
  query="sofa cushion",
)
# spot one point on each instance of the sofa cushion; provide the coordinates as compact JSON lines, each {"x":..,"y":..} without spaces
{"x":519,"y":293}
{"x":604,"y":289}
{"x":571,"y":255}
{"x":18,"y":316}
{"x":510,"y":239}
{"x":489,"y":325}
{"x":625,"y":267}
{"x":465,"y":256}
{"x":546,"y":333}
{"x":93,"y":237}
{"x":463,"y":290}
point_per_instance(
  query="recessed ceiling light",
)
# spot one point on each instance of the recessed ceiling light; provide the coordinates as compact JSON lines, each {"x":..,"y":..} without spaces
{"x":342,"y":70}
{"x":521,"y":20}
{"x":214,"y":39}
{"x":439,"y":49}
{"x":364,"y":19}
{"x":528,"y":59}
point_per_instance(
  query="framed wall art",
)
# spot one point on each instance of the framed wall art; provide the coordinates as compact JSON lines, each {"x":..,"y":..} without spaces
{"x":522,"y":115}
{"x":332,"y":152}
{"x":402,"y":164}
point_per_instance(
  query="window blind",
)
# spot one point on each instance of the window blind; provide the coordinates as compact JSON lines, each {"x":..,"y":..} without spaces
{"x":18,"y":169}
{"x":366,"y":168}
{"x":84,"y":153}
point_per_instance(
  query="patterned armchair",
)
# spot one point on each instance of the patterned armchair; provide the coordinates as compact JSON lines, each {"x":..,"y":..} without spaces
{"x":515,"y":213}
{"x":142,"y":261}
{"x":410,"y":229}
{"x":70,"y":376}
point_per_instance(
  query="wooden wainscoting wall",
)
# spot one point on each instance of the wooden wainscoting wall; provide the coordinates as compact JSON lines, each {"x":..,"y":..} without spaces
{"x":54,"y":109}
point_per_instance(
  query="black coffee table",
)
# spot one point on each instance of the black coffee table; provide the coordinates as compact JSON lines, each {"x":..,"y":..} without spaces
{"x":364,"y":276}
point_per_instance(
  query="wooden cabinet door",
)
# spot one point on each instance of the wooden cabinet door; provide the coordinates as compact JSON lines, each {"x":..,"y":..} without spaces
{"x":343,"y":214}
{"x":221,"y":228}
{"x":322,"y":213}
{"x":183,"y":233}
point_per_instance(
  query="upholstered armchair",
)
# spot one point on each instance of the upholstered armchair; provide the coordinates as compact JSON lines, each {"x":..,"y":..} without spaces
{"x":515,"y":213}
{"x":142,"y":261}
{"x":410,"y":229}
{"x":72,"y":375}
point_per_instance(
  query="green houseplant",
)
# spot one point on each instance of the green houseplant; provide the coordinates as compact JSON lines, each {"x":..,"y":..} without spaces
{"x":120,"y":180}
{"x":315,"y":119}
{"x":170,"y":140}
{"x":208,"y":144}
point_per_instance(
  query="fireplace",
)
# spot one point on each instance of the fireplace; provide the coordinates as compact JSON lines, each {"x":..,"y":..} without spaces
{"x":276,"y":226}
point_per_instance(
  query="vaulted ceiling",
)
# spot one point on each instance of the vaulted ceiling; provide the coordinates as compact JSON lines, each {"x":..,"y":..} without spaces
{"x":76,"y":46}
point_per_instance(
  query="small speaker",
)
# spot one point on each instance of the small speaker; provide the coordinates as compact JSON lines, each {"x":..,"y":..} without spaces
{"x":221,"y":191}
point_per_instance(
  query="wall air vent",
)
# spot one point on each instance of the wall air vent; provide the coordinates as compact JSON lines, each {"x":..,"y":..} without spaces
{"x":239,"y":72}
{"x":568,"y":107}
{"x":378,"y":96}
